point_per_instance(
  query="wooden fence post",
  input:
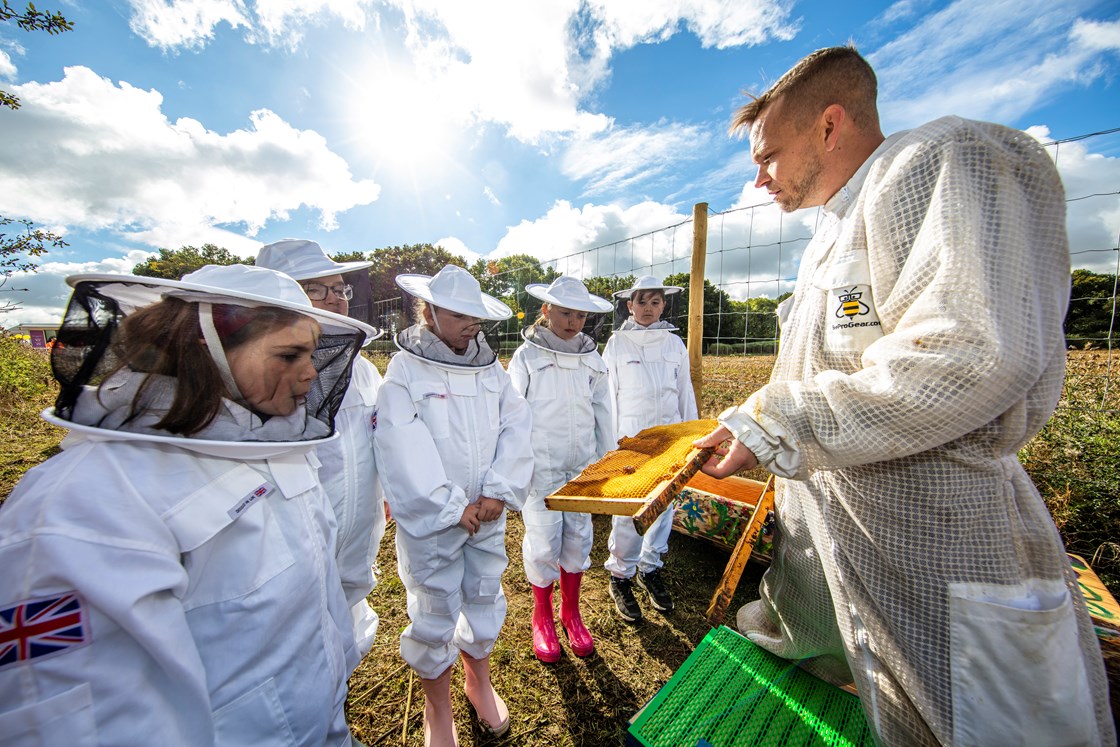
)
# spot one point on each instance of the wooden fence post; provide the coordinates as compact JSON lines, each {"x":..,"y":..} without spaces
{"x":696,"y":297}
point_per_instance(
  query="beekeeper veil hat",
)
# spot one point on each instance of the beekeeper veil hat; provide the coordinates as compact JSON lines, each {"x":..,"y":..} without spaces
{"x":84,"y":351}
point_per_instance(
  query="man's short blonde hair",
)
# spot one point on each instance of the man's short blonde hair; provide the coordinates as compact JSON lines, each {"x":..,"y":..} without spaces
{"x":834,"y":75}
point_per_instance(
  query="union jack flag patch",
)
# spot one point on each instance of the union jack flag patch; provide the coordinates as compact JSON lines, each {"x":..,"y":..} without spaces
{"x":42,"y":627}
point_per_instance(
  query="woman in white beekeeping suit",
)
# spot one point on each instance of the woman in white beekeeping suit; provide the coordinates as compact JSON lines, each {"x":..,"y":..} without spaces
{"x":169,"y":578}
{"x":348,"y":472}
{"x":650,"y":385}
{"x":453,"y":452}
{"x":560,"y":373}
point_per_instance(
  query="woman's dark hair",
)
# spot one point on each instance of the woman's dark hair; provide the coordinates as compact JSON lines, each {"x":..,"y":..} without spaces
{"x":166,"y":339}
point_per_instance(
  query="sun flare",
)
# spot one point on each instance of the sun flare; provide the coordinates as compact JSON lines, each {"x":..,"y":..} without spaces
{"x":403,"y":123}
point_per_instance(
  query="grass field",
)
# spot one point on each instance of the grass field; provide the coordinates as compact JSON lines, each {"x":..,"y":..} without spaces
{"x":579,"y":702}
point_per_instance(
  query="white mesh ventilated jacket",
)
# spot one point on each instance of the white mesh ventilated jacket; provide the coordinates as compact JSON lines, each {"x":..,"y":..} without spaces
{"x":923,"y":347}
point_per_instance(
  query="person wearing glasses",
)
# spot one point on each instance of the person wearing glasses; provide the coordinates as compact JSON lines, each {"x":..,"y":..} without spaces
{"x":348,"y":471}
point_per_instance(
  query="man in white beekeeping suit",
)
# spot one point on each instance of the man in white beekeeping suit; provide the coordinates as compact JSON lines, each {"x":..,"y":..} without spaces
{"x":922,"y":347}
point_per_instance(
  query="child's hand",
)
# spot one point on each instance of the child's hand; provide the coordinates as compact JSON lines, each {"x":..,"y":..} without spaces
{"x":469,"y":519}
{"x":490,"y":508}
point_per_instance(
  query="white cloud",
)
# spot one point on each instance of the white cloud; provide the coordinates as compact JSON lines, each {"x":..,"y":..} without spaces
{"x":7,"y":67}
{"x":717,"y":23}
{"x":455,"y":246}
{"x":1093,"y":35}
{"x":995,"y":60}
{"x":527,"y":67}
{"x":47,"y":291}
{"x":563,"y":236}
{"x":283,"y":21}
{"x":191,"y":24}
{"x":622,"y":157}
{"x":106,"y":158}
{"x":1092,"y":207}
{"x":531,"y":67}
{"x":171,"y":24}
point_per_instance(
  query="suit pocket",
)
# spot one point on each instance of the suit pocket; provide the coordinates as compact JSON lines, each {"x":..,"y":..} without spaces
{"x":66,"y":719}
{"x":256,"y":718}
{"x":431,"y":401}
{"x":1018,"y":673}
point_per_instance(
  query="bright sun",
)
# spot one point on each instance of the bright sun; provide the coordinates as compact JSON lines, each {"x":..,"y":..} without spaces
{"x":401,"y":124}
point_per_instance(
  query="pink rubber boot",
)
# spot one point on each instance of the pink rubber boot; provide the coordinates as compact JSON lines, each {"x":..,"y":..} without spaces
{"x":545,"y":643}
{"x":578,"y":635}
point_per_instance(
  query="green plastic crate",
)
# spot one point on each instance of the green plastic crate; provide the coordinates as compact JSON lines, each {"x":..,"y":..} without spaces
{"x":731,"y":693}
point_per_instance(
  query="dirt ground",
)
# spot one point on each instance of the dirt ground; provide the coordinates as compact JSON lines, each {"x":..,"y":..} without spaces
{"x":574,"y":702}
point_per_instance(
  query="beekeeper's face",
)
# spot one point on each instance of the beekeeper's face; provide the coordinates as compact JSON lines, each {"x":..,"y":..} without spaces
{"x":328,"y":294}
{"x":564,"y":323}
{"x":274,"y":371}
{"x":455,"y":329}
{"x":790,"y":164}
{"x":646,"y":306}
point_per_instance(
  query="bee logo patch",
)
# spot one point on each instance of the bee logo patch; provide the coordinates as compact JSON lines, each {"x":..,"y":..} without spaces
{"x":853,"y":324}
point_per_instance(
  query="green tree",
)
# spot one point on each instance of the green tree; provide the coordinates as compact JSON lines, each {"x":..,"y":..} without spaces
{"x":175,"y":263}
{"x":1092,"y":309}
{"x":423,"y":259}
{"x":349,"y":257}
{"x":506,"y":278}
{"x":606,"y":287}
{"x":722,"y":323}
{"x":31,"y":19}
{"x":760,"y":319}
{"x":17,"y":251}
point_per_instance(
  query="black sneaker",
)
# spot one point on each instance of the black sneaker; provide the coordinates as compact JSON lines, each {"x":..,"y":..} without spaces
{"x":622,"y":593}
{"x":653,"y":584}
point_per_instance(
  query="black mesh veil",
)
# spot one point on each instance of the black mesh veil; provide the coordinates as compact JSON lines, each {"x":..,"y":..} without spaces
{"x":83,"y":348}
{"x":85,"y":351}
{"x":334,"y":359}
{"x":597,"y":327}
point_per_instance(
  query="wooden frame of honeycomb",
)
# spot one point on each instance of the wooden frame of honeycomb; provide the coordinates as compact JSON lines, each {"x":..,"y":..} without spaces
{"x":641,"y":477}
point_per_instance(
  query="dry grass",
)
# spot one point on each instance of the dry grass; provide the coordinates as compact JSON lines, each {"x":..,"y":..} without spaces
{"x":574,"y":702}
{"x":588,"y":701}
{"x":570,"y":703}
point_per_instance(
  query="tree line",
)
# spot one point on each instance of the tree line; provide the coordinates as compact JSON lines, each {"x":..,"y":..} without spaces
{"x":730,"y":325}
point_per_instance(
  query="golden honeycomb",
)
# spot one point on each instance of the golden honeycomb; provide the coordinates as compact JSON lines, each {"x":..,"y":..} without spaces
{"x":639,"y":463}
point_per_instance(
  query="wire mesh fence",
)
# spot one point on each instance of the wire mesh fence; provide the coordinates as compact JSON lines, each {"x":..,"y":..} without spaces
{"x":752,"y":256}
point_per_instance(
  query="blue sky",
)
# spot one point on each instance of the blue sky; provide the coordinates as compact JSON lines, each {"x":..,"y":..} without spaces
{"x":491,"y":128}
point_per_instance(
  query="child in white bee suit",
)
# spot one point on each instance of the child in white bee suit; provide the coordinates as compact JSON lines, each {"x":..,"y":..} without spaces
{"x":560,"y":373}
{"x":453,"y":453}
{"x":169,"y":577}
{"x":348,"y":470}
{"x":650,"y":385}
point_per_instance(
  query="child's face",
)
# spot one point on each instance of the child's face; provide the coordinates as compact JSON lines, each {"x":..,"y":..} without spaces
{"x":455,"y":329}
{"x":564,"y":323}
{"x":646,"y":306}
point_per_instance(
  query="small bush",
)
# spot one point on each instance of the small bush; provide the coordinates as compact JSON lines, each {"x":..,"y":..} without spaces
{"x":24,"y":371}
